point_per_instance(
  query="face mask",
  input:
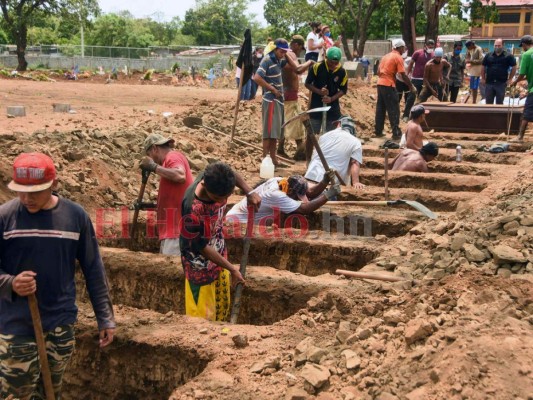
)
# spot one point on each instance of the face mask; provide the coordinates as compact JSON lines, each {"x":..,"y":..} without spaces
{"x":259,"y":55}
{"x":498,"y":50}
{"x":404,"y":55}
{"x":328,"y":34}
{"x":457,"y":52}
{"x":429,"y":51}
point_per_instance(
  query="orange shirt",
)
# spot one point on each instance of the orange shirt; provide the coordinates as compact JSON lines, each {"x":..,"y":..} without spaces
{"x":390,"y":65}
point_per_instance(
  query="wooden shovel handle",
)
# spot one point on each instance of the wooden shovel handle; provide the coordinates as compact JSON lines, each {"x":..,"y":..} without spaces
{"x":41,"y":347}
{"x":363,"y":275}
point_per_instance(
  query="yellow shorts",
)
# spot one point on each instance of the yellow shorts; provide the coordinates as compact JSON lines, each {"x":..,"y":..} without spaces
{"x":210,"y":301}
{"x":294,"y":130}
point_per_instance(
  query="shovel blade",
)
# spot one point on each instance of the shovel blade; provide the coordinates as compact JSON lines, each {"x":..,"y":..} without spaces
{"x":420,"y":207}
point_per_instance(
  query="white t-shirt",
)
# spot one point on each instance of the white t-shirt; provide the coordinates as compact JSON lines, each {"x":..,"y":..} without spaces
{"x":338,"y":146}
{"x":271,"y":197}
{"x":316,"y":41}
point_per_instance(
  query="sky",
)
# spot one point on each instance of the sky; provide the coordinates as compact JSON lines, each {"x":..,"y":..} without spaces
{"x":165,"y":10}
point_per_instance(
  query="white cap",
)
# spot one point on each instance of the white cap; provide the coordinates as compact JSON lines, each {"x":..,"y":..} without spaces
{"x":397,"y":43}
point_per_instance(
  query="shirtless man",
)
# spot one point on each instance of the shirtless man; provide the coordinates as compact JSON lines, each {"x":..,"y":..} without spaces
{"x":291,"y":83}
{"x":414,"y":136}
{"x":415,"y":161}
{"x":433,"y":77}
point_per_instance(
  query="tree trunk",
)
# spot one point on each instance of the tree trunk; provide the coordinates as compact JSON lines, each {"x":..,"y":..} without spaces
{"x":21,"y":41}
{"x":432,"y":27}
{"x":346,"y":48}
{"x":409,"y":10}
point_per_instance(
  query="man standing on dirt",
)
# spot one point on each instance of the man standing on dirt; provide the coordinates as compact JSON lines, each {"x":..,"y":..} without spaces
{"x":495,"y":73}
{"x":203,"y":250}
{"x":287,"y":196}
{"x":390,"y":65}
{"x":415,"y":160}
{"x":42,"y":236}
{"x":526,"y":72}
{"x":415,"y":70}
{"x":474,"y":57}
{"x":414,"y":135}
{"x":342,"y":151}
{"x":291,"y":84}
{"x":457,"y":70}
{"x":433,"y":78}
{"x":268,"y":76}
{"x":173,"y":168}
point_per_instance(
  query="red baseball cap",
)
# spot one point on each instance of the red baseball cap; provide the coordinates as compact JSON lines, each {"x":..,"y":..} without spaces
{"x":32,"y":172}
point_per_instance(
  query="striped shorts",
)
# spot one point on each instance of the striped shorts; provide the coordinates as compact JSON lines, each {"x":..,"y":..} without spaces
{"x":19,"y":363}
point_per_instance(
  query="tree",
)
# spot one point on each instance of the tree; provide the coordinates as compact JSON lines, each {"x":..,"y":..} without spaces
{"x":18,"y":16}
{"x":216,"y":21}
{"x":289,"y":17}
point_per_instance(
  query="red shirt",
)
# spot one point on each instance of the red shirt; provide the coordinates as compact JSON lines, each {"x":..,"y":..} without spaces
{"x":170,"y":197}
{"x":390,"y":65}
{"x":420,"y":58}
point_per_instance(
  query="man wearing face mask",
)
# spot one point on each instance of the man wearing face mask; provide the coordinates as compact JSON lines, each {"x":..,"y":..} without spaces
{"x":474,"y":57}
{"x":495,"y":73}
{"x":257,"y":57}
{"x":433,"y":77}
{"x":457,"y":70}
{"x":415,"y":70}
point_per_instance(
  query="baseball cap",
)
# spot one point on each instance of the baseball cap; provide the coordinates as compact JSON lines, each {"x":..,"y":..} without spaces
{"x":430,"y":149}
{"x":430,"y":42}
{"x":298,"y":39}
{"x":298,"y":185}
{"x":32,"y":172}
{"x":156,"y":139}
{"x":282,"y":44}
{"x":526,"y":39}
{"x":398,"y":43}
{"x":334,"y":54}
{"x":417,"y":111}
{"x":439,"y":52}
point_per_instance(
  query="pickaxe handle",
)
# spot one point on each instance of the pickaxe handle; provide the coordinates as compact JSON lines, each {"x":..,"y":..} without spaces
{"x":313,"y":138}
{"x":144,"y":179}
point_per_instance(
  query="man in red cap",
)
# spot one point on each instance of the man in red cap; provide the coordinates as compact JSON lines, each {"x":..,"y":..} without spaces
{"x":41,"y":237}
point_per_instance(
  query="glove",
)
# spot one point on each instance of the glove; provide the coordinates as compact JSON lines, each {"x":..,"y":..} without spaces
{"x":333,"y":191}
{"x":329,"y":176}
{"x":148,"y":164}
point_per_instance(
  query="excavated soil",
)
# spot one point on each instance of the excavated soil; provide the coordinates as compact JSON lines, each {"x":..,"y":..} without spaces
{"x":459,"y":325}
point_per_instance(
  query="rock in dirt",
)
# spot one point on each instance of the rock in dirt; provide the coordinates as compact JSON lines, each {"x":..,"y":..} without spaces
{"x":218,"y":379}
{"x":353,"y":361}
{"x":504,"y":254}
{"x":295,"y":393}
{"x":240,"y":341}
{"x":316,"y":375}
{"x":473,"y":254}
{"x":417,"y":329}
{"x":304,"y":345}
{"x":270,"y":362}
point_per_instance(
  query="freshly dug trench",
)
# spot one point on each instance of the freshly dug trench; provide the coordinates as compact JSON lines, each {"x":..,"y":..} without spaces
{"x":150,"y":281}
{"x":440,"y":167}
{"x":308,"y":256}
{"x":452,"y":183}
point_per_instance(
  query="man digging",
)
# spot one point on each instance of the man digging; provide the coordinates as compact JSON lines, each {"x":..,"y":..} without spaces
{"x":415,"y":160}
{"x":414,"y":135}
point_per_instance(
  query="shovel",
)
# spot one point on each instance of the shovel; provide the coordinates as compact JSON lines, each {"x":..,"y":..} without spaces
{"x":244,"y":261}
{"x":196,"y":123}
{"x":415,"y":204}
{"x":41,"y":347}
{"x":304,"y":114}
{"x":138,"y":205}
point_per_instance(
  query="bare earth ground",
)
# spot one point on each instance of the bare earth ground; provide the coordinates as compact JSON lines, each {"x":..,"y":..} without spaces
{"x":459,"y":327}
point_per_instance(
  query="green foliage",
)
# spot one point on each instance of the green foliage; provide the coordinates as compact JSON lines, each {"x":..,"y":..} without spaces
{"x":480,"y":12}
{"x":449,"y":25}
{"x":216,"y":21}
{"x":289,"y":17}
{"x":120,"y":30}
{"x":212,"y":61}
{"x":175,"y":67}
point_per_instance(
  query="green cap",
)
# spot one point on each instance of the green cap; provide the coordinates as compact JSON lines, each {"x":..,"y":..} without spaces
{"x":334,"y":54}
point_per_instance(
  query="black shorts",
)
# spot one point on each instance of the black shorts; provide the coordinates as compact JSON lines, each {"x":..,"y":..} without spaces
{"x":528,"y":108}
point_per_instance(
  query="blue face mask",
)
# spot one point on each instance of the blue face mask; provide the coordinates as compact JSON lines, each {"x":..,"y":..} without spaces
{"x":457,"y":52}
{"x":328,"y":34}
